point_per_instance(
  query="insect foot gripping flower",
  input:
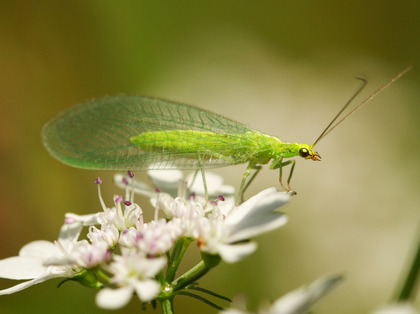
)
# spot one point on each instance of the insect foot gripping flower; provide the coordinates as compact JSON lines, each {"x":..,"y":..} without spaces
{"x":129,"y":256}
{"x":168,"y":182}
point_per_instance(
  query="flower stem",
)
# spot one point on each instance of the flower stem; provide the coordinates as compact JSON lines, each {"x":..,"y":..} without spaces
{"x":175,"y":259}
{"x":167,"y":306}
{"x":410,"y":284}
{"x":102,"y":276}
{"x":190,"y":276}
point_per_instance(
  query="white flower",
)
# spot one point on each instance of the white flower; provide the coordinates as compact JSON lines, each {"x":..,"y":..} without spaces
{"x":163,"y":202}
{"x":185,"y":214}
{"x":296,"y":302}
{"x":132,"y":273}
{"x":214,"y":182}
{"x":216,"y":225}
{"x":83,"y":255}
{"x":81,"y":220}
{"x":300,"y":300}
{"x":152,"y":239}
{"x":167,"y":181}
{"x":30,"y":265}
{"x":397,"y":308}
{"x":130,"y":184}
{"x":220,"y":234}
{"x":34,"y":258}
{"x":157,"y":237}
{"x":131,"y":216}
{"x":107,"y":233}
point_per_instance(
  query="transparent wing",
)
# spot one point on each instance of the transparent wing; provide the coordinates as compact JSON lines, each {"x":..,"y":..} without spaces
{"x":96,"y":134}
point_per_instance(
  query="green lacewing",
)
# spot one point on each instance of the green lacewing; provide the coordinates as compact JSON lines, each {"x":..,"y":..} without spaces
{"x":139,"y":133}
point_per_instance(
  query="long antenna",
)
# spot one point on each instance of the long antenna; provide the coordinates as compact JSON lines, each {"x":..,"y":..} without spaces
{"x":331,"y":127}
{"x":364,"y":82}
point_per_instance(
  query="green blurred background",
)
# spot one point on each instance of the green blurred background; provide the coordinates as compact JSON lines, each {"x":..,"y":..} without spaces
{"x":282,"y":67}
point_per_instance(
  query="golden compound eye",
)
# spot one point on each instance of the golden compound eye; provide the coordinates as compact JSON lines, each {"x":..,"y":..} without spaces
{"x":303,"y":152}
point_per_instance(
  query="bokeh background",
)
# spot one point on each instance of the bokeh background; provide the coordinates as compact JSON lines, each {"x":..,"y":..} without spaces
{"x":281,"y":67}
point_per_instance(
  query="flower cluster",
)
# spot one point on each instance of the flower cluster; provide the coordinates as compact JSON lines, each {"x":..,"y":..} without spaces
{"x":126,"y":255}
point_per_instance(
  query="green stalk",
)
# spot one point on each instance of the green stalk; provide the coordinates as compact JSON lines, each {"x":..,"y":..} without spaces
{"x":408,"y":289}
{"x":167,"y":306}
{"x":102,"y":276}
{"x":190,"y":276}
{"x":175,"y":259}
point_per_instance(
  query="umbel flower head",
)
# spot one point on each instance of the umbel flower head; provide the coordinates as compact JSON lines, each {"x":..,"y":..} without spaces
{"x":124,"y":255}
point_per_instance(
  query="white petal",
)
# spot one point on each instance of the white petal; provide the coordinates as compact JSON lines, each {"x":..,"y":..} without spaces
{"x":234,"y":311}
{"x":226,"y":190}
{"x":238,"y":306}
{"x":165,"y":203}
{"x":69,"y":233}
{"x":236,"y":252}
{"x":40,"y":249}
{"x":213,"y":181}
{"x":138,"y":186}
{"x":113,"y":299}
{"x":228,"y":205}
{"x":251,"y":204}
{"x":323,"y":285}
{"x":147,"y":289}
{"x":154,"y":266}
{"x":29,"y":283}
{"x":86,"y":220}
{"x":21,"y":267}
{"x":301,"y":299}
{"x":214,"y":184}
{"x":293,"y":302}
{"x":257,"y":215}
{"x":251,"y":228}
{"x":166,"y":180}
{"x":398,"y":308}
